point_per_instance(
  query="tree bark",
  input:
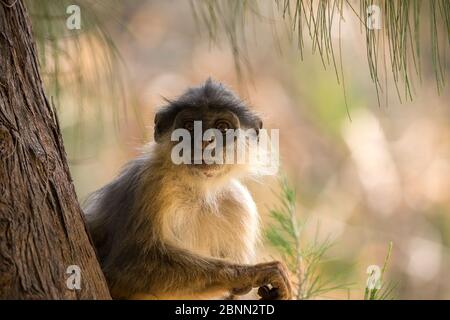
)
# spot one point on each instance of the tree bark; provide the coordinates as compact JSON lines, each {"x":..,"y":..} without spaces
{"x":42,"y":231}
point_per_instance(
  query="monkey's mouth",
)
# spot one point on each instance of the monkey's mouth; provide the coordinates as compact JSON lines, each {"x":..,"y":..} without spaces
{"x":206,"y":169}
{"x":206,"y":166}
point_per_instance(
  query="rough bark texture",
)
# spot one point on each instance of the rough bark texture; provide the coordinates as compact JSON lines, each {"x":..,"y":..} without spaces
{"x":42,"y":230}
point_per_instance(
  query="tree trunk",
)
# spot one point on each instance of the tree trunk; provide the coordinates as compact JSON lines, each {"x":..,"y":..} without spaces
{"x":42,"y":231}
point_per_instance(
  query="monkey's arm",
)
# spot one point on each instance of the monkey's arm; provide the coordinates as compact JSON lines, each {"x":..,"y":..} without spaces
{"x":170,"y":270}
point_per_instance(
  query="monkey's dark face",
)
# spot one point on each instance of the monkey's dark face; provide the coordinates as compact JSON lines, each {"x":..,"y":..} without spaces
{"x":208,"y":113}
{"x":204,"y":148}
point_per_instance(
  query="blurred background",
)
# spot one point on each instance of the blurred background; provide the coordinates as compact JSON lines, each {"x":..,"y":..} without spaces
{"x":367,"y":168}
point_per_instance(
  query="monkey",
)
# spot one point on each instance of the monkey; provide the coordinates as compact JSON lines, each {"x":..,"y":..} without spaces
{"x":183,"y":231}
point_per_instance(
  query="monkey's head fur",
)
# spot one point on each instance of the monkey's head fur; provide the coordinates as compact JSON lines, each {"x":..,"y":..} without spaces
{"x":217,"y":107}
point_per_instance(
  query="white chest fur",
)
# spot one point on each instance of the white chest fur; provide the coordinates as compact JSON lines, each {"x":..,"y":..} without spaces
{"x":223,"y":224}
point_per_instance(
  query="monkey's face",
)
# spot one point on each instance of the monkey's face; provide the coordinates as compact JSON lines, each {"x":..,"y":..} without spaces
{"x":209,"y":140}
{"x":209,"y":131}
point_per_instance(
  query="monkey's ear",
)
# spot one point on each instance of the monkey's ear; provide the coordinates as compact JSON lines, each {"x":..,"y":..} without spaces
{"x":162,"y":124}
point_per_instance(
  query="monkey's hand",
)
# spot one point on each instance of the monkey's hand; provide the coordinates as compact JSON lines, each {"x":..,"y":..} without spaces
{"x":271,"y":278}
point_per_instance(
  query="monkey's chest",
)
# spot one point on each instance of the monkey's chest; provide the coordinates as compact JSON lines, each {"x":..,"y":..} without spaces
{"x":213,"y":230}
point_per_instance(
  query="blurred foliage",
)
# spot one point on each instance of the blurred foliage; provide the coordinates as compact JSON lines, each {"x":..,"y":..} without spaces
{"x":315,"y":274}
{"x":318,"y":20}
{"x":304,"y":259}
{"x":331,"y":110}
{"x":64,"y":67}
{"x":385,"y":290}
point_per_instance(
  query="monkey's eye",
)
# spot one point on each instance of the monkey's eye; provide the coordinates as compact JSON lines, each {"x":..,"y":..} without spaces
{"x":189,"y":125}
{"x":223,"y":125}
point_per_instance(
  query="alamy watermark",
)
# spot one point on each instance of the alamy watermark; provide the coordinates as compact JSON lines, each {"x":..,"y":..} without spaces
{"x":259,"y":149}
{"x":373,"y":17}
{"x":374,"y":278}
{"x":73,"y":22}
{"x":73,"y":282}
